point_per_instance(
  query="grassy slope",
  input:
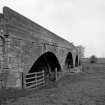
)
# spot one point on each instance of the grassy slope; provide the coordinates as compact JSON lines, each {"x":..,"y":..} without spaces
{"x":87,"y":88}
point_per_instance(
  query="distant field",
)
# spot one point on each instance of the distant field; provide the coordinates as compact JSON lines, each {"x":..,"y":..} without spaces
{"x":99,"y":60}
{"x":86,"y":88}
{"x":95,"y":68}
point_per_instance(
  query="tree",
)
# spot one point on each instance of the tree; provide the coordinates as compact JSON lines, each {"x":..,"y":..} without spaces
{"x":93,"y":59}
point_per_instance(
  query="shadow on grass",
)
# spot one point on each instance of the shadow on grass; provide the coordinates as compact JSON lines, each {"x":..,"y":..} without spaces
{"x":11,"y":94}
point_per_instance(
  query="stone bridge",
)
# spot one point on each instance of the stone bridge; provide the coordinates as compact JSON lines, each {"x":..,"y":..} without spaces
{"x":28,"y":47}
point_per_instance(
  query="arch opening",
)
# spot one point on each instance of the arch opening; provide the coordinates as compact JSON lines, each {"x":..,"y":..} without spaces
{"x":76,"y":61}
{"x":69,"y":61}
{"x":47,"y":62}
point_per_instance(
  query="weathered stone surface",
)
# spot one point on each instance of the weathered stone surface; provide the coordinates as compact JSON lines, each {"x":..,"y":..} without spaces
{"x":26,"y":42}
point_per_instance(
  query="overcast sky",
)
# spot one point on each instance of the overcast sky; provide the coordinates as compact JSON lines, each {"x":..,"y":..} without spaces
{"x":79,"y":21}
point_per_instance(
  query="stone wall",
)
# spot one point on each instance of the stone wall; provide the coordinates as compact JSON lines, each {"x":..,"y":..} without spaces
{"x":21,"y":55}
{"x":26,"y":42}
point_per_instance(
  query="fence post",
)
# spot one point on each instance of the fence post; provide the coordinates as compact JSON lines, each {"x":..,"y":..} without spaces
{"x":22,"y":80}
{"x":56,"y":74}
{"x":36,"y":79}
{"x":43,"y":77}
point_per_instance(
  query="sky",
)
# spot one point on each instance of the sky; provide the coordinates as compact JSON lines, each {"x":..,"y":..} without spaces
{"x":79,"y":21}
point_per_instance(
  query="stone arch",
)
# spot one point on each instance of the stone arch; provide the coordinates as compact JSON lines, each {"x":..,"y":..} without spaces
{"x":69,"y":61}
{"x":76,"y":61}
{"x":47,"y":62}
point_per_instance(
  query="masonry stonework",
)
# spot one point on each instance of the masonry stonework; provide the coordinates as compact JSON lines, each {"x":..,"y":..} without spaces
{"x":25,"y":42}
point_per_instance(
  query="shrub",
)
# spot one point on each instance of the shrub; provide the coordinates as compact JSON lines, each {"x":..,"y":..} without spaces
{"x":93,"y":59}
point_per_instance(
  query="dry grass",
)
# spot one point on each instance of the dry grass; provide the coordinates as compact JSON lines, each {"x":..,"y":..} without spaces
{"x":87,"y":88}
{"x":10,"y":93}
